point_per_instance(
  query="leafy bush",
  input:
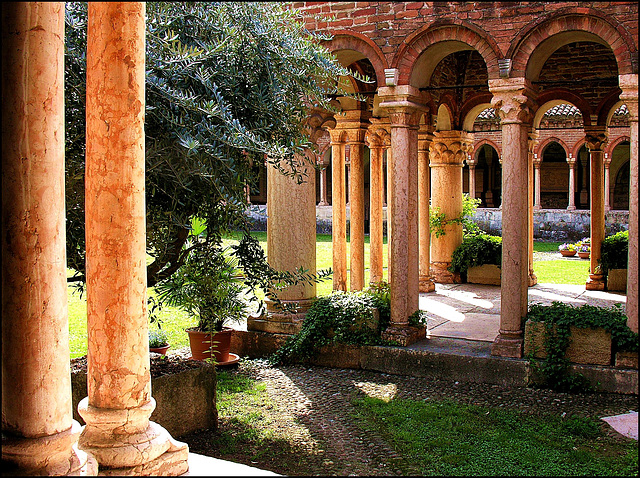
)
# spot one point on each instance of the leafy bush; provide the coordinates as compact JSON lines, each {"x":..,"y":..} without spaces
{"x":345,"y":317}
{"x":476,"y":250}
{"x":438,"y":220}
{"x":614,"y":251}
{"x":558,"y":318}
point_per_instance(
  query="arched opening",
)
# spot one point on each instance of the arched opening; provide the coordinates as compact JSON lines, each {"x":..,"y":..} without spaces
{"x":621,"y":188}
{"x":488,"y":177}
{"x":554,"y":177}
{"x":583,"y":179}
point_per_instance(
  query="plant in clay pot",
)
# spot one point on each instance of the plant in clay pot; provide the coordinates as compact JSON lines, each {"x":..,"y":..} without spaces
{"x":158,"y":342}
{"x":567,"y":249}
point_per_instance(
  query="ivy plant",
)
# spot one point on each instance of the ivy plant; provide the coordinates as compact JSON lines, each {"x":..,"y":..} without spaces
{"x":438,"y":220}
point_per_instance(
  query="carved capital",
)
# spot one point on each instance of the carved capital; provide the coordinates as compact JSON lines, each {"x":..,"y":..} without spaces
{"x":450,"y":148}
{"x":513,"y":99}
{"x":595,"y":138}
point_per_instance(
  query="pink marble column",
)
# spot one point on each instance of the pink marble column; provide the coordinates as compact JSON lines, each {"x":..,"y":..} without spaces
{"x":404,"y":115}
{"x":426,"y":283}
{"x":338,"y":211}
{"x":537,"y":163}
{"x":607,"y":184}
{"x":447,"y":153}
{"x":376,"y":237}
{"x":533,"y":140}
{"x":323,"y":186}
{"x":572,"y":183}
{"x":512,"y":100}
{"x":118,"y":431}
{"x":596,"y":139}
{"x":472,"y":178}
{"x":39,"y":435}
{"x":629,"y":87}
{"x":356,"y":208}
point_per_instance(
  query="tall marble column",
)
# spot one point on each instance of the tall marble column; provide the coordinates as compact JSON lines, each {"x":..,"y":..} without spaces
{"x":607,"y":184}
{"x":376,"y":236}
{"x":629,"y":87}
{"x":356,"y":208}
{"x":572,"y":183}
{"x":338,"y":211}
{"x":323,"y":186}
{"x":537,"y":163}
{"x":404,"y":114}
{"x":426,"y":283}
{"x":532,"y":143}
{"x":118,"y":431}
{"x":446,"y":155}
{"x":39,"y":435}
{"x":472,"y":177}
{"x":596,"y":138}
{"x":512,"y":98}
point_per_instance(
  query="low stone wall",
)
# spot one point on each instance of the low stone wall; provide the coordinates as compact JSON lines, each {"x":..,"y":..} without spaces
{"x":185,"y":401}
{"x":557,"y":225}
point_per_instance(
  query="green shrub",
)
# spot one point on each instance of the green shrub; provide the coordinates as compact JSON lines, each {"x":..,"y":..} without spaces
{"x":476,"y":250}
{"x":614,"y":251}
{"x":438,"y":220}
{"x":344,"y":317}
{"x":558,"y":318}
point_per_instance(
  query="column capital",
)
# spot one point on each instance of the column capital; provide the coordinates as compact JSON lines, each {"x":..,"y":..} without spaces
{"x":403,"y":104}
{"x":571,"y":161}
{"x":629,"y":86}
{"x":595,"y":137}
{"x":450,"y":148}
{"x":513,"y":99}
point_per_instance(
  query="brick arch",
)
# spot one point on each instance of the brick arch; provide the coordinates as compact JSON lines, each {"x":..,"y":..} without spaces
{"x":608,"y":105}
{"x":573,"y":19}
{"x":577,"y":147}
{"x":419,"y":41}
{"x":481,"y":143}
{"x":612,"y":145}
{"x":348,"y":40}
{"x":470,"y":105}
{"x":552,"y":139}
{"x":566,"y":96}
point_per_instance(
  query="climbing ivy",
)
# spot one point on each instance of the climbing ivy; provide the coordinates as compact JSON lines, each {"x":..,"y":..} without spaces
{"x":558,"y":318}
{"x":438,"y":220}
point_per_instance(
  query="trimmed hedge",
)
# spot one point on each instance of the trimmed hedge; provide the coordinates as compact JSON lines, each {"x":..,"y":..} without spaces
{"x":476,"y":250}
{"x":615,"y":252}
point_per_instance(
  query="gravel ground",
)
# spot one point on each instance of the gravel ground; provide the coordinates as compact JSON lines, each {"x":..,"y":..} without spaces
{"x":313,"y":406}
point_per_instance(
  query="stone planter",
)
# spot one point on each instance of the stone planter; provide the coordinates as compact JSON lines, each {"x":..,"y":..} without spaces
{"x":586,"y":346}
{"x":617,"y":280}
{"x":485,"y":274}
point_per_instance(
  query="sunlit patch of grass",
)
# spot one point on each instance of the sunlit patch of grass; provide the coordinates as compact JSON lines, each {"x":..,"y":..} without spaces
{"x":562,"y":271}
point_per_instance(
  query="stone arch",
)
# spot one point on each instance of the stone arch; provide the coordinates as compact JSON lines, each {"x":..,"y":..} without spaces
{"x":442,"y":39}
{"x":577,"y":147}
{"x":357,"y":42}
{"x":445,"y":117}
{"x":612,"y":144}
{"x":530,"y":49}
{"x":558,"y":96}
{"x":481,"y":143}
{"x":547,"y":142}
{"x":472,"y":108}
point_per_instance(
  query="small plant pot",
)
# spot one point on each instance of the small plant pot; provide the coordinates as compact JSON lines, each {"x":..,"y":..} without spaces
{"x":568,"y":253}
{"x":160,"y":350}
{"x":583,"y":255}
{"x":200,"y":343}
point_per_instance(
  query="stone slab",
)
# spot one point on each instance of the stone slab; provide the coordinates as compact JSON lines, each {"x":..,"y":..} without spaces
{"x":617,"y":280}
{"x":625,"y":424}
{"x":200,"y":465}
{"x":474,"y":327}
{"x":489,"y":274}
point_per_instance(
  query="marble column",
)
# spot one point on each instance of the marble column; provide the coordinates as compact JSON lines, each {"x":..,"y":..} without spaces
{"x":356,"y":208}
{"x":629,"y":87}
{"x":39,"y":435}
{"x":118,"y":431}
{"x":376,"y":236}
{"x":512,"y":98}
{"x":291,"y":244}
{"x":572,"y":183}
{"x":323,"y":186}
{"x":532,"y":143}
{"x":596,"y":138}
{"x":404,"y":114}
{"x":537,"y":163}
{"x":472,"y":177}
{"x":446,"y":155}
{"x":607,"y":184}
{"x":426,"y":283}
{"x":338,"y":211}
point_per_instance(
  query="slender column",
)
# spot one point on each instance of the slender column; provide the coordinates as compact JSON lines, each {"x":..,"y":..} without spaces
{"x":629,"y":87}
{"x":595,"y":141}
{"x":447,"y":153}
{"x":607,"y":184}
{"x":291,"y":244}
{"x":472,"y":177}
{"x":389,"y":193}
{"x":323,"y":186}
{"x":533,"y":140}
{"x":338,"y":211}
{"x":404,"y":114}
{"x":39,"y":435}
{"x":512,"y":100}
{"x":356,"y":208}
{"x":118,"y":431}
{"x":347,"y":177}
{"x":426,"y":283}
{"x":376,"y":236}
{"x":537,"y":163}
{"x":572,"y":183}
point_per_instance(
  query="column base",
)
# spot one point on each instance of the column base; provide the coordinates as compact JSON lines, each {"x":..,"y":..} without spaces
{"x":125,"y":442}
{"x":426,"y":284}
{"x":508,"y":345}
{"x":595,"y":283}
{"x":405,"y":334}
{"x":571,"y":208}
{"x":47,"y":456}
{"x":276,"y":321}
{"x":441,"y":275}
{"x":533,"y":279}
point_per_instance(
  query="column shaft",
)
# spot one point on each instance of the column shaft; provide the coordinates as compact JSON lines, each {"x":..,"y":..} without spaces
{"x":356,"y":211}
{"x":607,"y":185}
{"x":426,"y":283}
{"x":376,"y":235}
{"x":572,"y":183}
{"x":533,"y":280}
{"x":118,"y":431}
{"x":39,"y":435}
{"x":338,"y":213}
{"x":537,"y":186}
{"x":595,"y":140}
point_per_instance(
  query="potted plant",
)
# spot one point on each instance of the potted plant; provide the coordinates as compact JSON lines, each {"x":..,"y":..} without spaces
{"x":158,"y":342}
{"x":584,"y":249}
{"x":209,"y":285}
{"x":567,"y":249}
{"x":478,"y":259}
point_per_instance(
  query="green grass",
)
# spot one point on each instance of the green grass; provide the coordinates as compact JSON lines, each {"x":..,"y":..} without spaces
{"x":446,"y":438}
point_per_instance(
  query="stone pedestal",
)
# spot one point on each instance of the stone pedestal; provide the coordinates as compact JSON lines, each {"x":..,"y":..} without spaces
{"x":39,"y":436}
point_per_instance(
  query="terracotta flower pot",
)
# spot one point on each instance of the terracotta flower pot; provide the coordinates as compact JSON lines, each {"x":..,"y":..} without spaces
{"x":583,"y":255}
{"x":160,"y":350}
{"x":568,"y":253}
{"x":200,"y":343}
